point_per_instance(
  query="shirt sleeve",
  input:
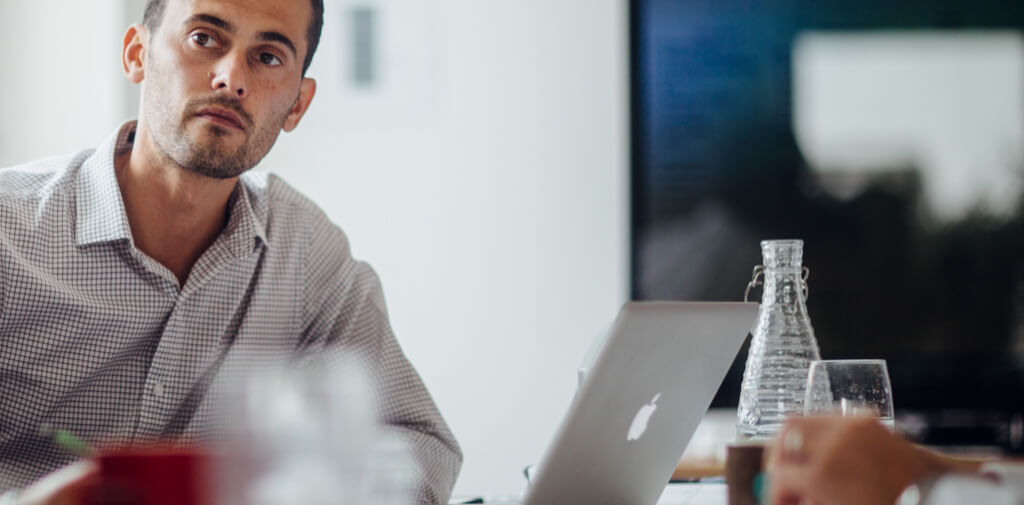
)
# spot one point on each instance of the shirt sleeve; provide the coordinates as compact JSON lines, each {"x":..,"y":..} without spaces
{"x":960,"y":489}
{"x":1010,"y":475}
{"x":346,"y":313}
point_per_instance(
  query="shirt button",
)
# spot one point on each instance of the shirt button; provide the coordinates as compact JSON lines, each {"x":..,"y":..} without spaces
{"x":158,"y":390}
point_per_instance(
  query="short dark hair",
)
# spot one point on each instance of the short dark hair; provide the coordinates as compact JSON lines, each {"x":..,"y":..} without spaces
{"x":155,"y":13}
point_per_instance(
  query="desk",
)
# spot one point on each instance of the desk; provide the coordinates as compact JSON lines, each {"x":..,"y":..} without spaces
{"x":674,"y":494}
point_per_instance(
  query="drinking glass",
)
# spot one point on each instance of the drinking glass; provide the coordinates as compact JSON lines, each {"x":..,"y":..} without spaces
{"x":849,"y":388}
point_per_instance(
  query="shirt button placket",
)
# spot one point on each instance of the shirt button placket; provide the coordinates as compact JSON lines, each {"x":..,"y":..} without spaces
{"x":156,"y":397}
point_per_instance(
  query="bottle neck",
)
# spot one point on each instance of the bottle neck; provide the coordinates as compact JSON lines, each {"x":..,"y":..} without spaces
{"x":783,"y":286}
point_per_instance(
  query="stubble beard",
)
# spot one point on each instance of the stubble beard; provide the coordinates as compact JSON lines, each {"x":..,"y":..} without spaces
{"x":207,"y":153}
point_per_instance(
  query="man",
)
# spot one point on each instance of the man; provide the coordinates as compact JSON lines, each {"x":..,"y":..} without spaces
{"x":857,"y":461}
{"x":133,"y":276}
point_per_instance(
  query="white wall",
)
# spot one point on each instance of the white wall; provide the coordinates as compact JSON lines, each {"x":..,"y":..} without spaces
{"x":60,"y":66}
{"x":495,"y":212}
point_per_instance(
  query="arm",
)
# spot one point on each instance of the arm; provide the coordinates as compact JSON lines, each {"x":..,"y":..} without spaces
{"x":852,"y":461}
{"x":345,"y":313}
{"x":963,"y":465}
{"x":836,"y":460}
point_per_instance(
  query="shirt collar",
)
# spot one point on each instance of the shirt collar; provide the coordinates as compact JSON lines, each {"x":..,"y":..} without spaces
{"x":101,"y":215}
{"x":100,"y":209}
{"x":243,"y":223}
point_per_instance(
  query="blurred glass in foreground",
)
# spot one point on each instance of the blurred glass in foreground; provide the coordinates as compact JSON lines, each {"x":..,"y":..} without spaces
{"x":309,"y":434}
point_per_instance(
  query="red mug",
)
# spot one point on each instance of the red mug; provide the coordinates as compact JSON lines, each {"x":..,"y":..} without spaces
{"x":153,"y":476}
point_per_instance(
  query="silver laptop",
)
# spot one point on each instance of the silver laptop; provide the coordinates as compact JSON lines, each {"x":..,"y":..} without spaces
{"x":640,"y":403}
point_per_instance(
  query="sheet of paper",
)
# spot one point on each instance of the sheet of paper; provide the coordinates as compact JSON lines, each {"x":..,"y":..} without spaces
{"x":693,"y":494}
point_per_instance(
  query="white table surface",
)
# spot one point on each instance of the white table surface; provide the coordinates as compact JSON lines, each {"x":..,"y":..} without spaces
{"x":674,"y":494}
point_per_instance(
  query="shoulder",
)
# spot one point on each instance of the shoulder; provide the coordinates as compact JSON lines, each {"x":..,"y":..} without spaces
{"x":334,"y":279}
{"x":290,"y":215}
{"x":271,"y":194}
{"x":38,"y":195}
{"x":36,"y":179}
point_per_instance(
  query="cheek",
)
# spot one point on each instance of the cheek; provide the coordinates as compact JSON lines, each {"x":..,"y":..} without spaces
{"x":280,"y":100}
{"x":174,"y":75}
{"x":183,"y":72}
{"x":192,"y":75}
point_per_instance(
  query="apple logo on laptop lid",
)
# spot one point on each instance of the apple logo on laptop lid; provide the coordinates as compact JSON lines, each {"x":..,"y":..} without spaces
{"x":639,"y":426}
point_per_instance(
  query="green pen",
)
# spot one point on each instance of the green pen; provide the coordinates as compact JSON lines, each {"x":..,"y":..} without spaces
{"x":67,"y":441}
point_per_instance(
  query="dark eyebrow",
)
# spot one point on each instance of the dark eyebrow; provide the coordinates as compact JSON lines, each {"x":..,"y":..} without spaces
{"x":278,"y":37}
{"x":228,"y":27}
{"x":211,"y":19}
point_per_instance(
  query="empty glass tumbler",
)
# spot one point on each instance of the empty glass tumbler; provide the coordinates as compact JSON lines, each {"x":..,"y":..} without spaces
{"x":782,"y":345}
{"x":850,"y":387}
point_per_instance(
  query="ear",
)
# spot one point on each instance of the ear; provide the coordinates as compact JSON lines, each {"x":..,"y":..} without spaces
{"x":133,"y":53}
{"x":306,"y":92}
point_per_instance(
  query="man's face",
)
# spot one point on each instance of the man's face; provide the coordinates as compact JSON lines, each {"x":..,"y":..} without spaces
{"x":222,"y":78}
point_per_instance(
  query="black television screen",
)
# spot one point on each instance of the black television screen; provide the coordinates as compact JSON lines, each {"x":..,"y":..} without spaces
{"x":886,"y":135}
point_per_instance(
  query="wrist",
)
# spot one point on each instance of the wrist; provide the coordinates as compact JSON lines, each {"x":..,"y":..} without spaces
{"x":917,"y":492}
{"x":936,"y":469}
{"x":953,"y":464}
{"x":920,"y":469}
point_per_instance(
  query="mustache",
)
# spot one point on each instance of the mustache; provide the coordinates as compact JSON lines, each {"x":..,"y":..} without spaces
{"x":233,"y":105}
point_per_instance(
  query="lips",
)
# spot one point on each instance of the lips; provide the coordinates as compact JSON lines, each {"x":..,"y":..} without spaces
{"x":222,"y":117}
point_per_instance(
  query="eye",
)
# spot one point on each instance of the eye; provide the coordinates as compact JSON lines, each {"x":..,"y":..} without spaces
{"x":203,"y":40}
{"x":269,"y":59}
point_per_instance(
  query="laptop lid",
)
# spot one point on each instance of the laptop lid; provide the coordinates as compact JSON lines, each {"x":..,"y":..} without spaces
{"x":640,"y":403}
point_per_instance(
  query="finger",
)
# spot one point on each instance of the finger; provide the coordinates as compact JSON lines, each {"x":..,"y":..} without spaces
{"x":790,"y":485}
{"x":803,"y":436}
{"x":797,"y":440}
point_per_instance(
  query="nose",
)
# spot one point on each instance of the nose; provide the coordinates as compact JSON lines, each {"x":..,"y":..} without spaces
{"x":229,"y":75}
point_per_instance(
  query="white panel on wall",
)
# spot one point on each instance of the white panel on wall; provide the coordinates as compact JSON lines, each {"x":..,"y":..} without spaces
{"x":947,"y":103}
{"x":379,"y":63}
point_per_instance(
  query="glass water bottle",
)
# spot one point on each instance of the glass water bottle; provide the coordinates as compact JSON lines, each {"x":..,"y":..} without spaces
{"x":782,"y":346}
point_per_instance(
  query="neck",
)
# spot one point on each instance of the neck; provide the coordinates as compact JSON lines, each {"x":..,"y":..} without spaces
{"x":174,"y":214}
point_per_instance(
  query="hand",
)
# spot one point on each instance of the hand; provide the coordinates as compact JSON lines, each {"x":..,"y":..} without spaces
{"x":845,"y":461}
{"x":70,"y":485}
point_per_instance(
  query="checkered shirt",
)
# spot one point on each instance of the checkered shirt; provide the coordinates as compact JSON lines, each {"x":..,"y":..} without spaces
{"x":98,"y":339}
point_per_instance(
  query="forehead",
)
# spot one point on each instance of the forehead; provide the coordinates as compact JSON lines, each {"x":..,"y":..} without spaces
{"x":289,"y":17}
